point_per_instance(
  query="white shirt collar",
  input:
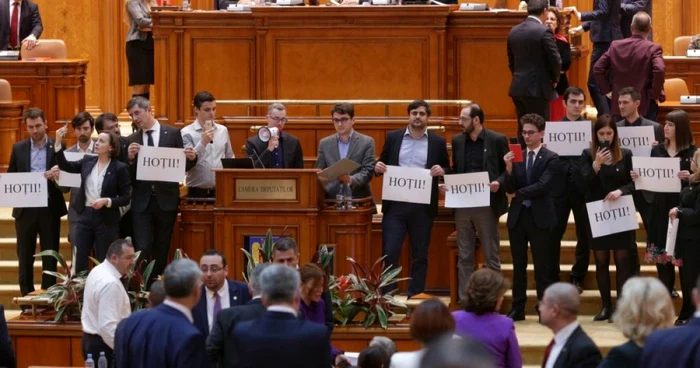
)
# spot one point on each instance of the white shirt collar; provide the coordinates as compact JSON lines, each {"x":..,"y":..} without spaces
{"x":210,"y":293}
{"x":91,"y":147}
{"x":697,"y":314}
{"x":111,"y":269}
{"x":534,"y":17}
{"x":256,"y":297}
{"x":282,"y":308}
{"x":536,"y":150}
{"x":563,"y":335}
{"x":181,"y":308}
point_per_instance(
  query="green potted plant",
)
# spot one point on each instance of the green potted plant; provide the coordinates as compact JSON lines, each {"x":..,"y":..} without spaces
{"x":66,"y":296}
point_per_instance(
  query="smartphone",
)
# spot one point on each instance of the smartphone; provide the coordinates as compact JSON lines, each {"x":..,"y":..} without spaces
{"x":604,"y":144}
{"x":517,"y":152}
{"x":208,"y":125}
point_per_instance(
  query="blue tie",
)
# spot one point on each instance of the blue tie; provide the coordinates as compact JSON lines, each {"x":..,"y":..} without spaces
{"x":528,"y":173}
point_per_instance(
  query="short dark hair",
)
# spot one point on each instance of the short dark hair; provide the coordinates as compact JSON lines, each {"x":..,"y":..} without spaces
{"x":81,"y":118}
{"x":156,"y":294}
{"x":343,"y":108}
{"x":139,"y":101}
{"x":181,"y":278}
{"x":418,"y":103}
{"x":115,"y":143}
{"x":684,"y":135}
{"x":284,"y":244}
{"x":574,"y":90}
{"x":533,"y":119}
{"x":431,"y":320}
{"x":33,"y":113}
{"x":476,"y":111}
{"x":373,"y":356}
{"x":483,"y":290}
{"x":214,"y":252}
{"x":630,"y":91}
{"x":202,"y":97}
{"x":117,"y":247}
{"x":537,"y":7}
{"x":100,"y":121}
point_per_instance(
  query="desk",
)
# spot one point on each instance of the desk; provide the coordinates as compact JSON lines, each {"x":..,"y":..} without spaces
{"x":685,"y":68}
{"x":55,"y":86}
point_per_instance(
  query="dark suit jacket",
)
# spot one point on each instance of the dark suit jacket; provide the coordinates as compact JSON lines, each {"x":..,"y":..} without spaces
{"x":291,"y":148}
{"x":168,"y":194}
{"x":20,"y":161}
{"x":220,"y":345}
{"x":533,"y":59}
{"x":565,"y":52}
{"x":632,"y":62}
{"x":676,"y":347}
{"x":116,"y":185}
{"x":159,"y":337}
{"x":628,"y":8}
{"x":578,"y":352}
{"x":625,"y":355}
{"x":238,"y":295}
{"x":298,"y":343}
{"x":29,"y":22}
{"x":437,"y":155}
{"x":604,"y":21}
{"x":7,"y":355}
{"x":495,"y":147}
{"x":658,"y":129}
{"x":124,"y":150}
{"x":568,"y":177}
{"x":539,"y":192}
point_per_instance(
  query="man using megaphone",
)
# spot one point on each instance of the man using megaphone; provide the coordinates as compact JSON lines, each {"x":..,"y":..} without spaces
{"x":272,"y":148}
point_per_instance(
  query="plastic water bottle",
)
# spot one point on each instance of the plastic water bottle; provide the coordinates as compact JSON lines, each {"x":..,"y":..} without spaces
{"x":102,"y":362}
{"x":347,"y":194}
{"x":186,"y":5}
{"x":339,"y":200}
{"x":89,"y":363}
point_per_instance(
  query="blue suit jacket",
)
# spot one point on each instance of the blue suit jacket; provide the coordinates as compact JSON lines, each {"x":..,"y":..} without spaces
{"x":297,"y":343}
{"x":238,"y":295}
{"x":7,"y":355}
{"x":675,"y":347}
{"x":160,"y":337}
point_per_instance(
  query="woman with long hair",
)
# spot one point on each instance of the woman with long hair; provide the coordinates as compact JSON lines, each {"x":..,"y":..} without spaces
{"x":139,"y":46}
{"x":554,"y":22}
{"x":678,"y":143}
{"x":606,"y":169}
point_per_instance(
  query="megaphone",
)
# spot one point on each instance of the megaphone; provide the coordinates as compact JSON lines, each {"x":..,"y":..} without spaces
{"x":266,"y":133}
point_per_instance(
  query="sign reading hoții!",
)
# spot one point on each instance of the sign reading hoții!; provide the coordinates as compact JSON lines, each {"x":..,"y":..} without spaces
{"x":23,"y":190}
{"x":611,"y":217}
{"x":407,"y":184}
{"x":266,"y":190}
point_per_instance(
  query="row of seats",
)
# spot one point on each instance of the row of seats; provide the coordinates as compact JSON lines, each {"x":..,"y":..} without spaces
{"x":54,"y":49}
{"x":680,"y":45}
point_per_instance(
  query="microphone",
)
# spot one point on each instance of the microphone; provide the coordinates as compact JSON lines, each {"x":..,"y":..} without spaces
{"x":258,"y":157}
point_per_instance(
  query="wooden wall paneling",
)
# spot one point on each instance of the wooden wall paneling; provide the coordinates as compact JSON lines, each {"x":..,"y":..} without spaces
{"x":11,"y":128}
{"x":690,"y":17}
{"x":685,"y":68}
{"x":26,"y":349}
{"x":350,"y":232}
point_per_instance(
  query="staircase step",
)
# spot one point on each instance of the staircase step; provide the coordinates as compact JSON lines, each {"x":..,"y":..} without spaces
{"x":8,"y":248}
{"x":568,"y":253}
{"x":570,"y":233}
{"x":7,"y":292}
{"x":9,"y":271}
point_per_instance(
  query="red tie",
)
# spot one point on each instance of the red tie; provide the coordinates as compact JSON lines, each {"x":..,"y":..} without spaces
{"x":14,"y":24}
{"x":546,"y":353}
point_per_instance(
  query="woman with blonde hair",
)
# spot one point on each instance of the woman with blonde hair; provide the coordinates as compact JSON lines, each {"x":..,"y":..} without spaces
{"x":645,"y":306}
{"x":139,"y":45}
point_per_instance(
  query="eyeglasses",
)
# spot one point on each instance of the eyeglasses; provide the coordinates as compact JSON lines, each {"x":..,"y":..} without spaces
{"x":213,"y":269}
{"x":278,"y":120}
{"x":526,"y":133}
{"x":341,"y":120}
{"x":419,"y":113}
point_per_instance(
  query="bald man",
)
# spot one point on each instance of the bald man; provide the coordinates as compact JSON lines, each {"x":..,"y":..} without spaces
{"x":571,"y":347}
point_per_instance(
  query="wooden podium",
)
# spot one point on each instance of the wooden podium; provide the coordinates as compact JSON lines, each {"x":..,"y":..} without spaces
{"x":291,"y":202}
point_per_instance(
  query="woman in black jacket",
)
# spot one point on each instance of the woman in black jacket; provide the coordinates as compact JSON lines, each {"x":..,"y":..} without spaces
{"x":554,"y":20}
{"x":105,"y":187}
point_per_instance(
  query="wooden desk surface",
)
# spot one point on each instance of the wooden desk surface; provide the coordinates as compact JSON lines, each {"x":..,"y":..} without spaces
{"x":685,"y":68}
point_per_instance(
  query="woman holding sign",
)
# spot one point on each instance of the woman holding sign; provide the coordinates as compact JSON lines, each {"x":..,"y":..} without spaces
{"x":606,"y":169}
{"x":688,"y":239}
{"x":678,"y":143}
{"x":105,"y":187}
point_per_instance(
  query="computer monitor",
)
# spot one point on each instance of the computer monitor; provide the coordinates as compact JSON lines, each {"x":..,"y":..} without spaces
{"x":237,"y":163}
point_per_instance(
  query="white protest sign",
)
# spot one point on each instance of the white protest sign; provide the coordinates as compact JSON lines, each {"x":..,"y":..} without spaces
{"x":671,"y":236}
{"x":75,"y":156}
{"x":568,"y":138}
{"x":637,"y":139}
{"x":611,"y":217}
{"x":657,"y":174}
{"x":406,"y":184}
{"x":467,"y":190}
{"x":23,"y":190}
{"x":160,"y":164}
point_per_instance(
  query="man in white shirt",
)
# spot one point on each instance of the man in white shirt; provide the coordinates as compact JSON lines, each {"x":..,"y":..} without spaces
{"x":106,"y":302}
{"x":570,"y":347}
{"x":211,"y":142}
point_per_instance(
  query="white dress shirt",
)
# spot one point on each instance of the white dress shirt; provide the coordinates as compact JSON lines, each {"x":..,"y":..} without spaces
{"x":208,"y":156}
{"x":409,"y":359}
{"x":283,"y":309}
{"x":105,"y":302}
{"x":93,"y":185}
{"x":156,"y":134}
{"x":535,"y":18}
{"x":180,"y":308}
{"x":527,"y":153}
{"x":559,"y":341}
{"x":90,"y":149}
{"x":225,"y":302}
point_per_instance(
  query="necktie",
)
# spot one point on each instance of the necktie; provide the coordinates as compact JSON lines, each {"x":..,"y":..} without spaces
{"x":547,"y":352}
{"x":150,"y":138}
{"x":14,"y":25}
{"x":528,"y":173}
{"x":217,"y":304}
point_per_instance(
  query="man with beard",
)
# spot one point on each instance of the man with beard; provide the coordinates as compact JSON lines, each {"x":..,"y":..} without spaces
{"x":413,"y":147}
{"x":476,"y":150}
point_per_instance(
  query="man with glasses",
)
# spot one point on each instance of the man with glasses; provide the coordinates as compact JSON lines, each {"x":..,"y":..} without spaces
{"x":347,"y":143}
{"x":530,"y":217}
{"x":218,"y":291}
{"x":282,"y":151}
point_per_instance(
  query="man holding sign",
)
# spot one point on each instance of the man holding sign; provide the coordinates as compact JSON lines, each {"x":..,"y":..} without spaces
{"x":36,"y":155}
{"x":154,"y":203}
{"x":414,"y":147}
{"x":530,"y":218}
{"x":476,"y":150}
